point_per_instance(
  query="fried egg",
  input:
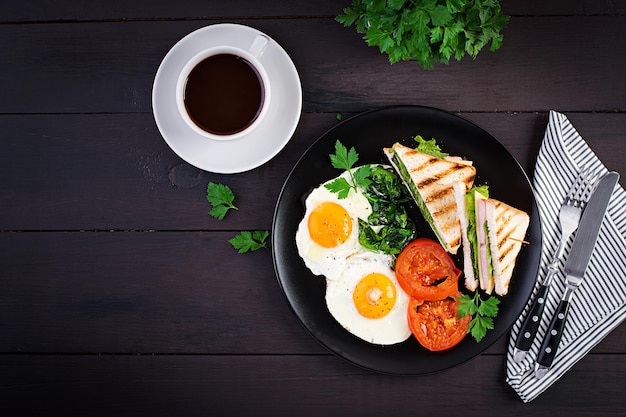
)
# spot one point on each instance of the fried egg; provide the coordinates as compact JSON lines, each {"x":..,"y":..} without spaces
{"x":367,"y":300}
{"x":327,"y":236}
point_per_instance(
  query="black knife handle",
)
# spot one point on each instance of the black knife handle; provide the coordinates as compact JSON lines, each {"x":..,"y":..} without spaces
{"x":529,"y":328}
{"x":553,"y":335}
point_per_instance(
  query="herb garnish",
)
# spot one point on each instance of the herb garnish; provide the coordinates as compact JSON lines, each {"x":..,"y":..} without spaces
{"x":249,"y":241}
{"x":345,"y":159}
{"x":221,"y":198}
{"x":427,"y":31}
{"x":483,"y":311}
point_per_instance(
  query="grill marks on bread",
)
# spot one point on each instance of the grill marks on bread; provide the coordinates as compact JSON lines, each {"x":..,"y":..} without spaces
{"x":442,"y":206}
{"x":438,"y":193}
{"x":434,"y":178}
{"x":509,"y":220}
{"x":440,"y":171}
{"x":506,"y":228}
{"x":510,"y":225}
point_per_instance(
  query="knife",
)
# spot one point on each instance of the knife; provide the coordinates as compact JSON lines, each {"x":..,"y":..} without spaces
{"x":575,"y":267}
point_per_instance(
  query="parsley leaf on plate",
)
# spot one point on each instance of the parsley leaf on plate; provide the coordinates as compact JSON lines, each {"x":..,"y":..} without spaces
{"x":483,"y":312}
{"x":345,"y":158}
{"x":340,"y":186}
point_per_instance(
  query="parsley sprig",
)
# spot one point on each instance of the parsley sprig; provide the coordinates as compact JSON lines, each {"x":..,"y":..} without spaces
{"x":221,"y":198}
{"x":345,"y":159}
{"x":249,"y":241}
{"x":483,"y":312}
{"x":427,"y":31}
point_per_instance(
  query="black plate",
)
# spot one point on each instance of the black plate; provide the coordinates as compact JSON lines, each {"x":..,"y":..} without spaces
{"x":369,"y":133}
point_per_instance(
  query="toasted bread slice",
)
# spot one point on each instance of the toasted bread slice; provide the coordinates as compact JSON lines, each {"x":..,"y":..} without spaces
{"x":443,"y":209}
{"x":429,"y":172}
{"x":507,"y":228}
{"x":430,"y":181}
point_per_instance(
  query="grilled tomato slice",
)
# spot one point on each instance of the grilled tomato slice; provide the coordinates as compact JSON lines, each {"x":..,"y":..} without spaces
{"x":435,"y":324}
{"x":426,"y":271}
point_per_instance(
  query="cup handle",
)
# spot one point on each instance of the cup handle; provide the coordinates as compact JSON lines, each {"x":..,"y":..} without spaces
{"x":258,"y":46}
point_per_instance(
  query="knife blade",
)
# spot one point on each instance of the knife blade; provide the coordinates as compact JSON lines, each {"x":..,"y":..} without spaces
{"x":575,"y":267}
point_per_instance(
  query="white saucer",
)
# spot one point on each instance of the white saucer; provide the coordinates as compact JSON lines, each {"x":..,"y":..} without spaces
{"x":252,"y":150}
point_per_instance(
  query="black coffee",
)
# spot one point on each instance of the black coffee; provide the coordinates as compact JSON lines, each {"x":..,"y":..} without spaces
{"x":224,"y":94}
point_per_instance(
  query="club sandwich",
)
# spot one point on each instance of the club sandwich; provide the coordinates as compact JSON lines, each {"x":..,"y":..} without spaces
{"x":494,"y":238}
{"x":438,"y":186}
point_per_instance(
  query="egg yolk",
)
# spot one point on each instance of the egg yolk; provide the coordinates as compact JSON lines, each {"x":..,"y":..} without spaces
{"x":374,"y":296}
{"x":329,"y":225}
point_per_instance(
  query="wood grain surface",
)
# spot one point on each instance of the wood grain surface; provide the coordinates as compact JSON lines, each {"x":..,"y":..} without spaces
{"x":120,"y":295}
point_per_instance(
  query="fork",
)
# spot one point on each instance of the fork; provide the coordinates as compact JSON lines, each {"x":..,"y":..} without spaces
{"x":569,"y":218}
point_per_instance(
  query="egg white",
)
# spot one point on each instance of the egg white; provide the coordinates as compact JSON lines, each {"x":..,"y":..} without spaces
{"x":392,"y":328}
{"x":330,"y":262}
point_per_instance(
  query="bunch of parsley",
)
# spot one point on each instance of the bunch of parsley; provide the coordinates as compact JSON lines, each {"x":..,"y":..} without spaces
{"x":427,"y":31}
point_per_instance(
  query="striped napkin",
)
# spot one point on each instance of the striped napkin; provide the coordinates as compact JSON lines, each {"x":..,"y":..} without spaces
{"x":599,"y":305}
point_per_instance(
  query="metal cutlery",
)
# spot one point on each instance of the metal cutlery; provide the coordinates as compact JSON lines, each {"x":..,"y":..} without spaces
{"x":569,"y":217}
{"x":575,"y":267}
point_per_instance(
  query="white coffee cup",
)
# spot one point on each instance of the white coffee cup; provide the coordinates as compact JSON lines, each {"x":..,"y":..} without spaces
{"x":223,"y":105}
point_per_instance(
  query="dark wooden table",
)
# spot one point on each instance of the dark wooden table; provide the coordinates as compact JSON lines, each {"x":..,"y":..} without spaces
{"x":119,"y":295}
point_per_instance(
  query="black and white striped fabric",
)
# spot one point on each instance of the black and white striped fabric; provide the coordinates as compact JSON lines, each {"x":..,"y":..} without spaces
{"x":599,"y":305}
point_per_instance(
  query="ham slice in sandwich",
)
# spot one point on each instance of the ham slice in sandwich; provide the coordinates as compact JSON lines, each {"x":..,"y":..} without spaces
{"x":500,"y":232}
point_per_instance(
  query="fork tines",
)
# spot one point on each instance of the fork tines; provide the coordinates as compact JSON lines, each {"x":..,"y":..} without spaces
{"x":582,"y":188}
